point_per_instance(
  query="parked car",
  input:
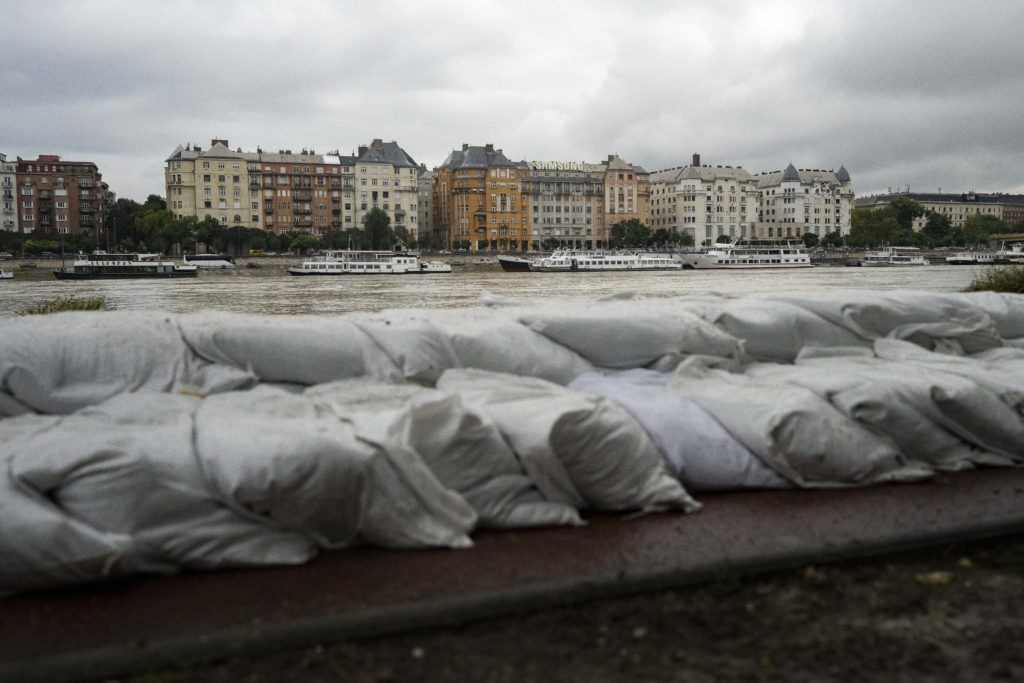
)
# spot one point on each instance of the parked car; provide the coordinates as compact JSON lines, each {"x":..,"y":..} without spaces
{"x":49,"y":254}
{"x":4,"y":254}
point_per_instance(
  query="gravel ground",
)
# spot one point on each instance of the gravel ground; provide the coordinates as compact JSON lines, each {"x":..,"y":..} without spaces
{"x":952,"y":613}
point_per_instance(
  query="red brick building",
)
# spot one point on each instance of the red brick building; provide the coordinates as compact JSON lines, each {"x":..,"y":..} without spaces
{"x":56,"y":197}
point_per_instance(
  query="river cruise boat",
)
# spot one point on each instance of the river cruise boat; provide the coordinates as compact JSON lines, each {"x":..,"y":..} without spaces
{"x":744,"y":256}
{"x":5,"y":274}
{"x":101,"y":266}
{"x":347,"y":262}
{"x":971,"y":258}
{"x":212,"y":261}
{"x":571,"y":260}
{"x":894,"y":256}
{"x":1012,"y":253}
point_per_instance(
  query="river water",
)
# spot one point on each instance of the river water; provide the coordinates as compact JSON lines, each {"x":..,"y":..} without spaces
{"x":270,"y":290}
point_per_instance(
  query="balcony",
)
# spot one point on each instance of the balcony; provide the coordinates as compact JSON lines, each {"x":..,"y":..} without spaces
{"x":85,"y":208}
{"x":302,"y":209}
{"x":268,"y":210}
{"x":254,"y":184}
{"x":302,"y":195}
{"x":86,"y":220}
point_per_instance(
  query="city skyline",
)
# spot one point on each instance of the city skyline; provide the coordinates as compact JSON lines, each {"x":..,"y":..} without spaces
{"x":907,"y":94}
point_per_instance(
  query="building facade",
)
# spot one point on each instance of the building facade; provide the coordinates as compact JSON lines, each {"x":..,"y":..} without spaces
{"x":287,"y":192}
{"x":478,"y":199}
{"x":795,"y":201}
{"x":425,"y":207}
{"x":8,"y":199}
{"x":53,"y":197}
{"x":706,"y":202}
{"x":566,"y":203}
{"x":626,"y":191}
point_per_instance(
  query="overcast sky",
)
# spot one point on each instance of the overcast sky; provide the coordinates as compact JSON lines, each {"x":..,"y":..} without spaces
{"x":921,"y":94}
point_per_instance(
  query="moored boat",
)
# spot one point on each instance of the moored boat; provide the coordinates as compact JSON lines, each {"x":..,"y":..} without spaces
{"x":5,"y":274}
{"x":894,"y":256}
{"x":744,"y":256}
{"x":349,"y":262}
{"x":514,"y":264}
{"x":571,"y":260}
{"x":103,"y":266}
{"x":1013,"y":253}
{"x":971,"y":258}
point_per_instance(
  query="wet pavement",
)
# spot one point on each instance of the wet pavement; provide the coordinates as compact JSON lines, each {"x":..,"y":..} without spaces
{"x":99,"y":631}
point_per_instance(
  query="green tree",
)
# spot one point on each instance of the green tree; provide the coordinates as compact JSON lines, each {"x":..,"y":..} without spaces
{"x":833,"y":239}
{"x":905,"y":210}
{"x":210,"y":234}
{"x":937,"y":229}
{"x":304,"y":241}
{"x":631,"y":233}
{"x":810,"y":240}
{"x":377,"y":224}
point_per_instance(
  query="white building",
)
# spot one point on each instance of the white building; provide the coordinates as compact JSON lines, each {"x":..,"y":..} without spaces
{"x":8,"y":200}
{"x":705,"y":201}
{"x":795,"y":201}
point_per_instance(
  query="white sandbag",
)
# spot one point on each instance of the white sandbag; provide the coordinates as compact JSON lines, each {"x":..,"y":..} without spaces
{"x":284,"y":459}
{"x":941,"y":322}
{"x":937,"y":417}
{"x":1000,"y":370}
{"x":629,"y":333}
{"x":1005,"y":309}
{"x":59,"y":363}
{"x":41,"y":546}
{"x":794,"y":431}
{"x":776,"y":331}
{"x":127,"y":467}
{"x":580,"y":449}
{"x":462,"y":447}
{"x":299,"y":349}
{"x":419,"y":350}
{"x":697,"y":449}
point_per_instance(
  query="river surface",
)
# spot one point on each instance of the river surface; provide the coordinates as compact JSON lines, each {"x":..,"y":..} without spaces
{"x":270,"y":290}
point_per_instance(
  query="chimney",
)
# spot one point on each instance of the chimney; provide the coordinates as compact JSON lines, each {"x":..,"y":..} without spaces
{"x":378,"y":143}
{"x":696,"y":161}
{"x":465,"y":146}
{"x":214,"y":142}
{"x":489,"y":147}
{"x":197,"y":148}
{"x":362,"y":150}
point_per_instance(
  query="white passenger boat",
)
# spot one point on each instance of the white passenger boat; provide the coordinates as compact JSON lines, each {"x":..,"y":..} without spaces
{"x":103,"y":266}
{"x":5,"y":274}
{"x":349,"y":262}
{"x":894,"y":256}
{"x":743,"y":256}
{"x":971,"y":258}
{"x":1013,"y":253}
{"x":209,"y":260}
{"x":571,"y":260}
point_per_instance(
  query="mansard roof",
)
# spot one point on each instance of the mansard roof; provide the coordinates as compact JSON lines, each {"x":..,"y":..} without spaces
{"x":475,"y":156}
{"x":790,"y":173}
{"x":803,"y":175}
{"x":387,"y":153}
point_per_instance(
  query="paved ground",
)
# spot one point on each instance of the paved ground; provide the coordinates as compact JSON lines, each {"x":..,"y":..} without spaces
{"x":132,"y":626}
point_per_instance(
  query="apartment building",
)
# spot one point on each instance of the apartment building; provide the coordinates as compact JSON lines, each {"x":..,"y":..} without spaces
{"x":287,"y":192}
{"x":478,"y":199}
{"x":626,"y":191}
{"x":8,"y":200}
{"x":425,"y":205}
{"x":794,"y":202}
{"x":706,"y":202}
{"x":956,"y":207}
{"x":56,"y":197}
{"x":566,"y":202}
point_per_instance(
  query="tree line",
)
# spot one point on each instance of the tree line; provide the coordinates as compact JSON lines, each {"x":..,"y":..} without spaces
{"x":150,"y":227}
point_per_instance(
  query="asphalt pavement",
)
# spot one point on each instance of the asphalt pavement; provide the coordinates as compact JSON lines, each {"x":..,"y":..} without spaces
{"x":101,"y":631}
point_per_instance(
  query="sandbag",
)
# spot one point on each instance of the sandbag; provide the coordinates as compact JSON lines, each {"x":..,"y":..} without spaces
{"x":942,"y":322}
{"x":794,"y":431}
{"x":1005,"y":309}
{"x":127,"y":467}
{"x":56,"y":364}
{"x":461,"y":446}
{"x":629,"y":333}
{"x":578,"y":448}
{"x":696,"y":448}
{"x":303,"y":350}
{"x":936,"y":417}
{"x":41,"y":545}
{"x":310,"y":472}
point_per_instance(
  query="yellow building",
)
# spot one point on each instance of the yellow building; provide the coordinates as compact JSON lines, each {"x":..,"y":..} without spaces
{"x":478,"y":200}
